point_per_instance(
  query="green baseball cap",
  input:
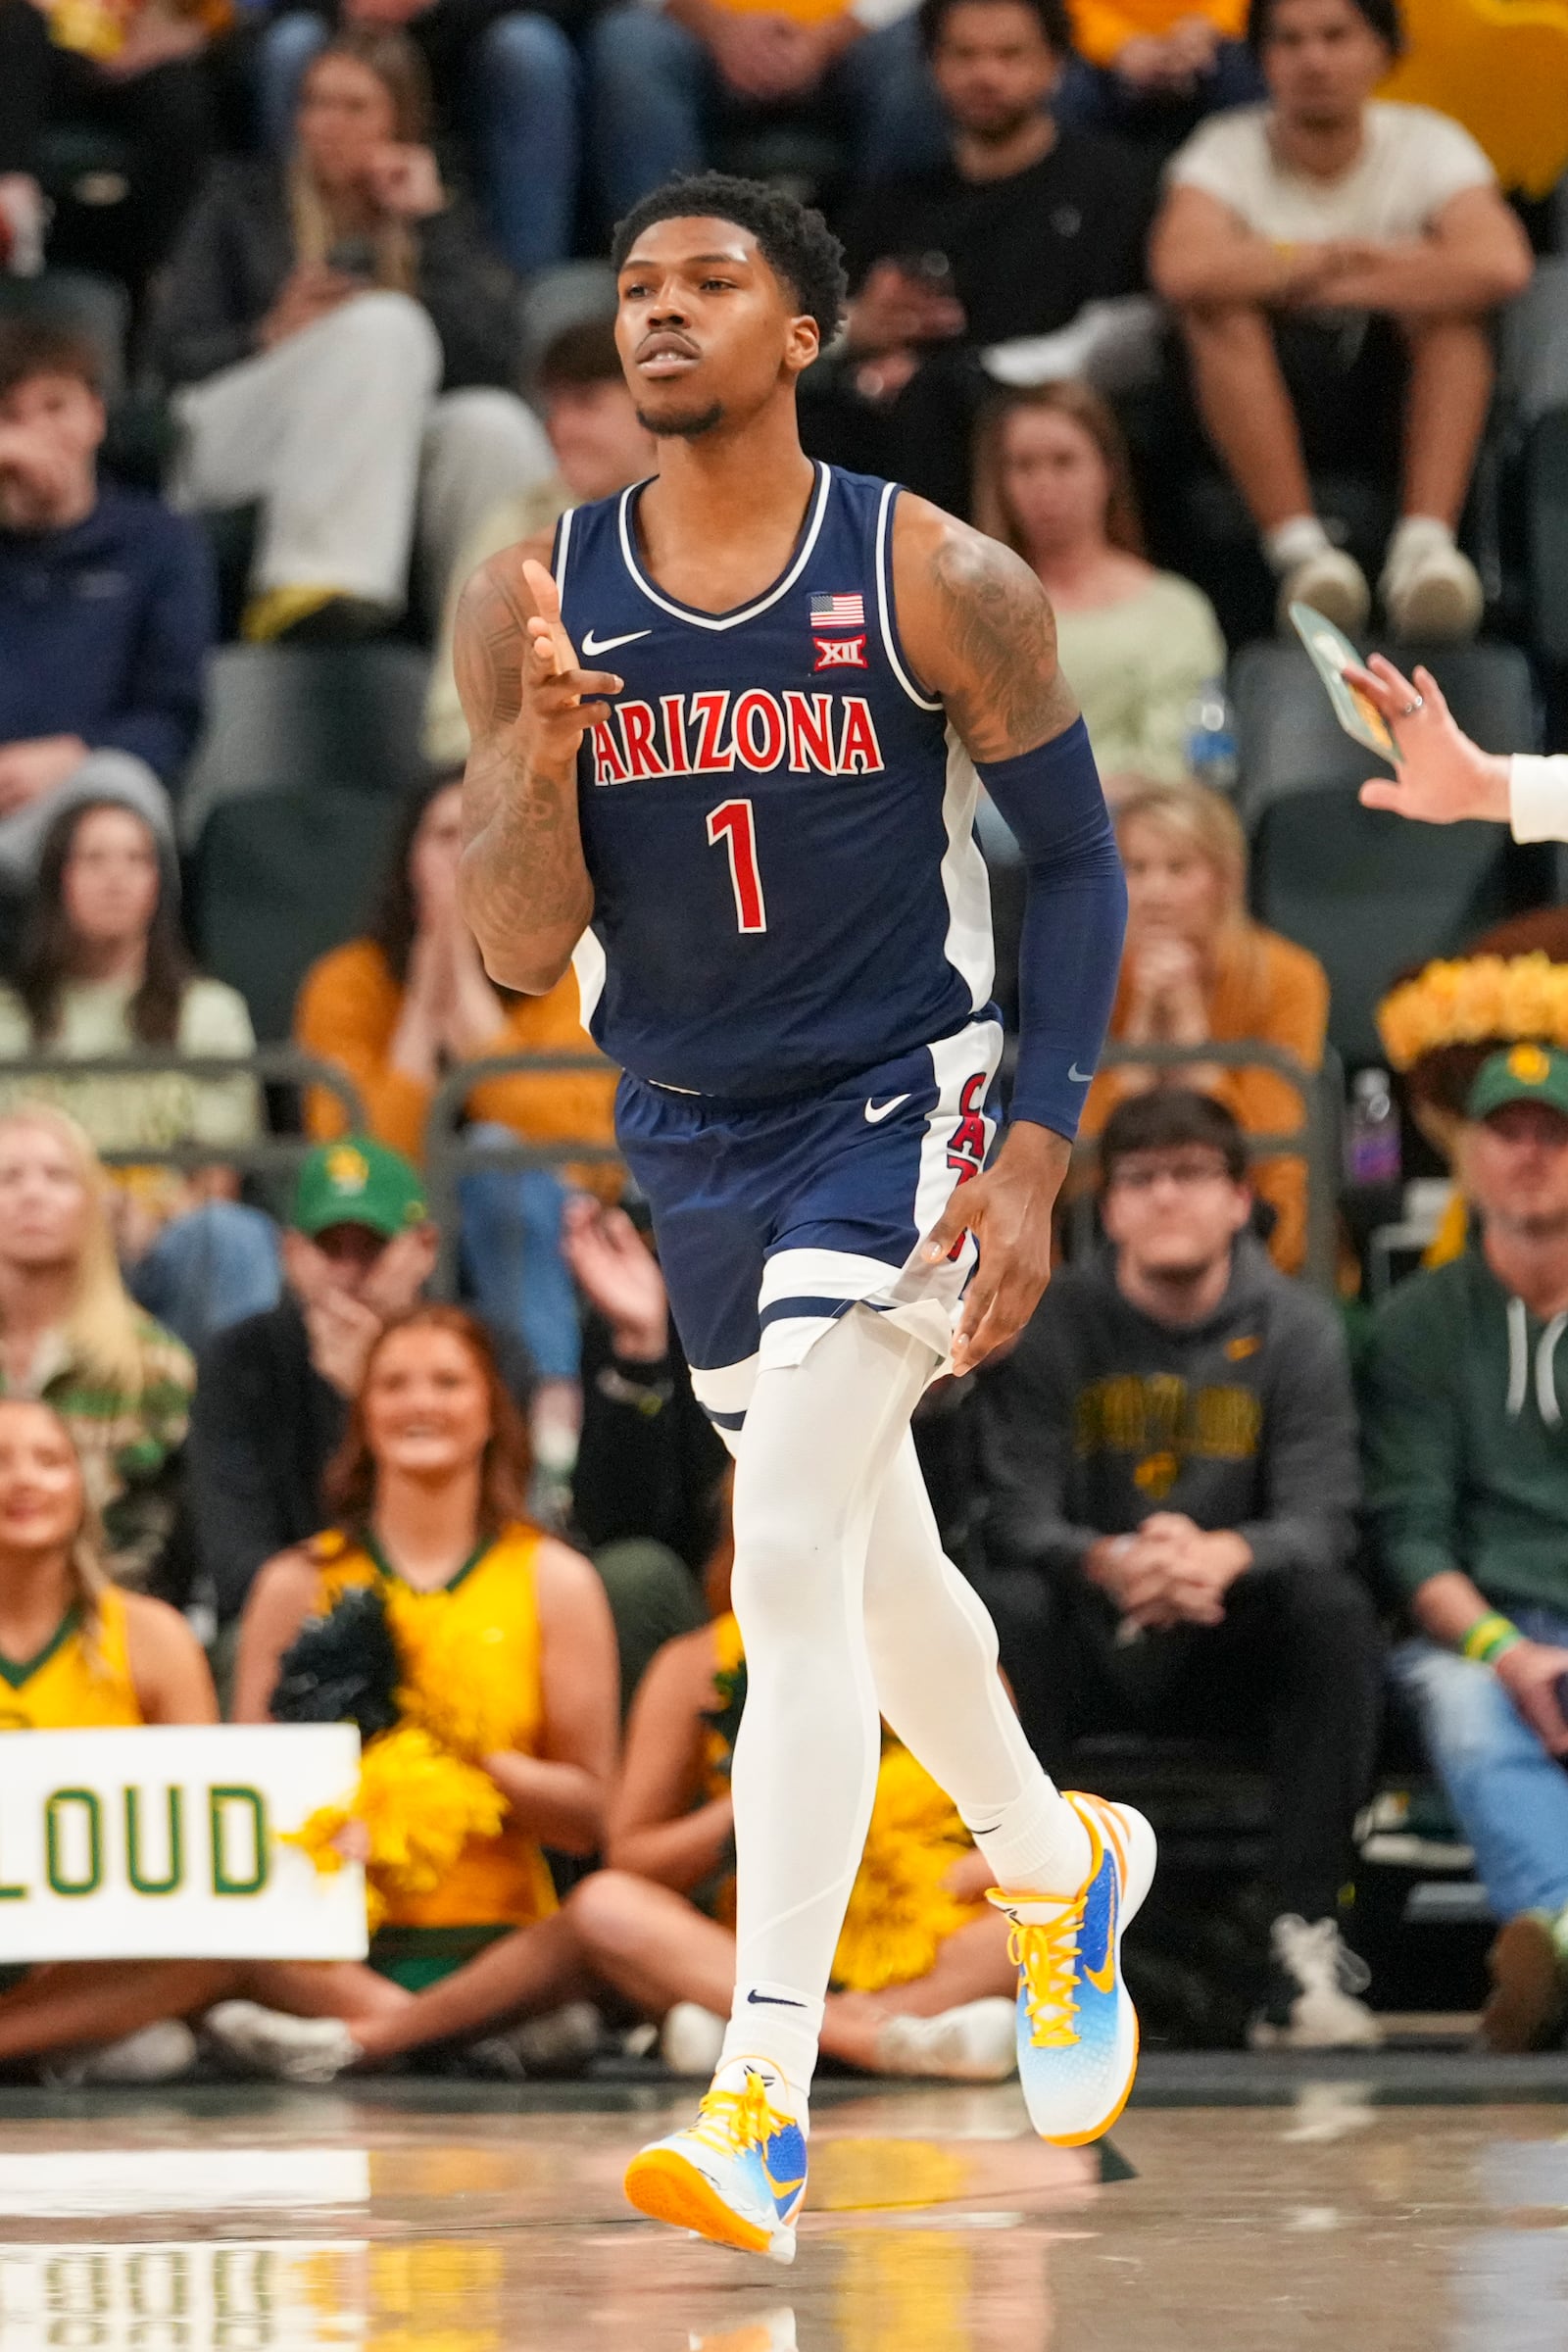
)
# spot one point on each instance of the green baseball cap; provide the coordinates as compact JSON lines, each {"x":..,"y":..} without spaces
{"x":358,"y":1182}
{"x":1524,"y":1073}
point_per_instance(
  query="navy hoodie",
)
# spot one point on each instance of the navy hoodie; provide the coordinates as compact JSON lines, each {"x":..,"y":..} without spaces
{"x":105,"y":629}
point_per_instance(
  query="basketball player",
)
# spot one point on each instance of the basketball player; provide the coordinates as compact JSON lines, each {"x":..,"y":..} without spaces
{"x":745,"y":813}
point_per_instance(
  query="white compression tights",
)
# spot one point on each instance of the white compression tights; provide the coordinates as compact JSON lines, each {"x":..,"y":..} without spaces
{"x":848,"y":1607}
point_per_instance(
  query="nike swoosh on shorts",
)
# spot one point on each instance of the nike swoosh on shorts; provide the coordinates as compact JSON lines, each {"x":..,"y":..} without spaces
{"x":606,"y":645}
{"x":876,"y":1112}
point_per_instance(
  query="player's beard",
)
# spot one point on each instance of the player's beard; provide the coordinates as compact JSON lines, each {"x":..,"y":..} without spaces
{"x":689,"y":428}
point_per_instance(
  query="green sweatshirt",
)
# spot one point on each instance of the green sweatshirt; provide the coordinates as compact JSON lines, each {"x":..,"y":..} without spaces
{"x":1465,"y":1437}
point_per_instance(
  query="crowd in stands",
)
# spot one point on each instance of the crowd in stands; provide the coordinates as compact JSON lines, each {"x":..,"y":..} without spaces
{"x":1113,"y":265}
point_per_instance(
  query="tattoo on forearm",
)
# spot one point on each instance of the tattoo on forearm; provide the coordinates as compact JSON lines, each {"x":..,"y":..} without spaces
{"x":1008,"y":693}
{"x":523,"y":864}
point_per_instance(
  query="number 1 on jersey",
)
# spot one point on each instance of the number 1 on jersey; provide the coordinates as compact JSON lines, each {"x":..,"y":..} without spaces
{"x":731,"y":822}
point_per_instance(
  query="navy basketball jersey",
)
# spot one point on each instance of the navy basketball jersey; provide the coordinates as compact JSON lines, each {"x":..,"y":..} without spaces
{"x":776,"y":818}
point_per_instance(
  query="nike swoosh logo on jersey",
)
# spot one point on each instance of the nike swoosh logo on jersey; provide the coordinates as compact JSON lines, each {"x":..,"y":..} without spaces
{"x":1080,"y":1077}
{"x":606,"y":645}
{"x":876,"y":1112}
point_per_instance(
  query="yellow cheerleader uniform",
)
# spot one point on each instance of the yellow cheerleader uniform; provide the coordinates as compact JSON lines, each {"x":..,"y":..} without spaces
{"x":472,"y":1654}
{"x":80,"y":1678}
{"x":900,"y":1910}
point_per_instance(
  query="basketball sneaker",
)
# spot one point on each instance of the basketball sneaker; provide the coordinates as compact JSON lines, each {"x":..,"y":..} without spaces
{"x":1077,"y":2027}
{"x":736,"y":2176}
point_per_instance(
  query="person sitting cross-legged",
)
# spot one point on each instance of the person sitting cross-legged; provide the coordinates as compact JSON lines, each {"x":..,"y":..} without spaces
{"x":922,"y":1981}
{"x":1467,"y":1481}
{"x":1337,"y":262}
{"x":1171,"y":1449}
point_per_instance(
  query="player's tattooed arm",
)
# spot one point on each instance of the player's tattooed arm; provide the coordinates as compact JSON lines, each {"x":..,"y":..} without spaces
{"x":525,"y":887}
{"x":978,"y":628}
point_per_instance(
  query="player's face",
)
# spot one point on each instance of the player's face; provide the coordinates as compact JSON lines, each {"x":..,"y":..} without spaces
{"x":704,"y":330}
{"x":993,"y":67}
{"x":1054,"y":483}
{"x":1322,"y":61}
{"x":1173,"y":891}
{"x":1174,"y":1212}
{"x":427,"y":1405}
{"x":1516,"y":1168}
{"x":598,"y":444}
{"x":41,"y":1481}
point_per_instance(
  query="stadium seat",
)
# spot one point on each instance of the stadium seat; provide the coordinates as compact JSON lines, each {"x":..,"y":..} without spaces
{"x":306,"y":719}
{"x":277,"y":879}
{"x":1369,"y":893}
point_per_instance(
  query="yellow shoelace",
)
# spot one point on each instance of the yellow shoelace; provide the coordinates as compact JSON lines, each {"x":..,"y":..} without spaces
{"x":1047,"y":1952}
{"x":733,"y":2120}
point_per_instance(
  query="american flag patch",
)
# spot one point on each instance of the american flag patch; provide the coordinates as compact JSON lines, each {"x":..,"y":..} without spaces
{"x":838,"y":612}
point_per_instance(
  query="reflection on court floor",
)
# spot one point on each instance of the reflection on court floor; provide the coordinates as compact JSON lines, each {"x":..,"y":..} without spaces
{"x":937,"y":2226}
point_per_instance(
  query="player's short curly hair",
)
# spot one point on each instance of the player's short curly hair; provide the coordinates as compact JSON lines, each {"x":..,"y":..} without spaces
{"x":796,"y":242}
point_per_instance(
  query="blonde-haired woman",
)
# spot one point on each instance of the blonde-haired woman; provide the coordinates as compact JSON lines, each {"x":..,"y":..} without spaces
{"x":76,"y":1653}
{"x":72,"y":1335}
{"x":1053,"y":480}
{"x":1196,"y":969}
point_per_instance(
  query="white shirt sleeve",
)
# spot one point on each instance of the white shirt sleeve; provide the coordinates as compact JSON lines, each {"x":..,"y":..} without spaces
{"x":1538,"y":796}
{"x":1443,"y":160}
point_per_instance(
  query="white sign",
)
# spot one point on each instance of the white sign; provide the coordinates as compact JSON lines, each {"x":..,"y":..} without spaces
{"x":163,"y":1844}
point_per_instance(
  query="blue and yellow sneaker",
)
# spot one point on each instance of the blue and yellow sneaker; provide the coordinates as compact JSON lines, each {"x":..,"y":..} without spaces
{"x":1077,"y":2027}
{"x":737,"y":2175}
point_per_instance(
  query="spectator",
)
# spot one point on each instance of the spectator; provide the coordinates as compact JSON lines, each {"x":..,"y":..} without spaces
{"x":1150,"y":70}
{"x":1174,"y":1484}
{"x":106,"y":607}
{"x":76,"y":1654}
{"x":1054,"y":481}
{"x":326,"y":323}
{"x":662,"y":75}
{"x":923,"y":1984}
{"x":133,"y":68}
{"x":71,"y":1335}
{"x":272,"y":1399}
{"x":1196,"y":969}
{"x":1467,"y":1480}
{"x":600,"y":447}
{"x":397,"y":1009}
{"x":502,"y":1657}
{"x":507,"y":83}
{"x":1336,"y":263}
{"x":1015,"y":233}
{"x":103,"y":972}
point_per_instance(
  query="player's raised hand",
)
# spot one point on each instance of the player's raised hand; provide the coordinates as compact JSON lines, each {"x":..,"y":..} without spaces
{"x":560,"y":699}
{"x":1443,"y":775}
{"x":1008,"y":1211}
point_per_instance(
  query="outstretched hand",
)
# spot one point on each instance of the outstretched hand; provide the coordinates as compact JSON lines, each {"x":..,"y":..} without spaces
{"x":1443,"y":775}
{"x":1008,"y":1211}
{"x":560,"y":701}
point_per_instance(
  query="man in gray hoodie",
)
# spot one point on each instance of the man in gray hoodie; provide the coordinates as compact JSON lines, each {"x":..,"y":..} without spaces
{"x":1171,"y":1455}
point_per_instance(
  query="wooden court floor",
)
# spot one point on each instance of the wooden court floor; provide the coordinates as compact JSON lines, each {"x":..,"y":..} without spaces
{"x":445,"y":2219}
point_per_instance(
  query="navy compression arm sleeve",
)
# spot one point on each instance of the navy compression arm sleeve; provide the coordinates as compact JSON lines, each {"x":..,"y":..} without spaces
{"x":1074,"y":916}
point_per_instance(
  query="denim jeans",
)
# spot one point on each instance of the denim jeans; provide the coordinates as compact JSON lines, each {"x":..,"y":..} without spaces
{"x":656,"y":91}
{"x":520,"y":88}
{"x":1510,"y":1796}
{"x":207,"y":1269}
{"x":512,"y":1257}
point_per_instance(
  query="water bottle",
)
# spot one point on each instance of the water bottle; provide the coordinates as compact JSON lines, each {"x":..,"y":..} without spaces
{"x":1372,"y":1131}
{"x":1210,"y":742}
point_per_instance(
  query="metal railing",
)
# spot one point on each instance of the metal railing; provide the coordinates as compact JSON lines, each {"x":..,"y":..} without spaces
{"x":450,"y":1152}
{"x":36,"y":1075}
{"x":1315,"y":1141}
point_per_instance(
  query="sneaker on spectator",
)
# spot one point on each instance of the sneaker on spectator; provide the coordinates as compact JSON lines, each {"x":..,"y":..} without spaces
{"x":559,"y":2042}
{"x":160,"y":2053}
{"x":976,"y":2042}
{"x":691,"y":2040}
{"x":279,"y":2049}
{"x":1526,"y":2008}
{"x":1313,"y":1980}
{"x":1332,"y":583}
{"x":1432,"y":592}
